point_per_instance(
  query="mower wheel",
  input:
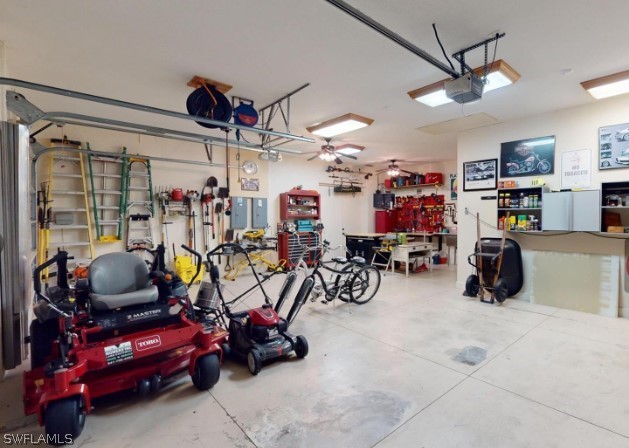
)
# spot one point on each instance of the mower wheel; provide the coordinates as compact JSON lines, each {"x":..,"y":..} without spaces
{"x":253,"y":361}
{"x":226,"y":349}
{"x":207,"y":371}
{"x":501,"y":290}
{"x":301,"y":347}
{"x":65,"y":419}
{"x":143,"y":387}
{"x":472,"y":285}
{"x":156,"y":382}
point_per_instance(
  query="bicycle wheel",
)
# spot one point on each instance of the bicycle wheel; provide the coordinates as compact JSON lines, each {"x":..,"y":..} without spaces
{"x":343,"y":281}
{"x":365,"y":285}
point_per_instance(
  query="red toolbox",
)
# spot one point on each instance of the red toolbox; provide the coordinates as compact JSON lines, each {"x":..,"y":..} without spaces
{"x":432,"y":178}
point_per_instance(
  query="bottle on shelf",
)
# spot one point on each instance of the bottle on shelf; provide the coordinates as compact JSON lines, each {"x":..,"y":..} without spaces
{"x":507,"y":202}
{"x":521,"y":201}
{"x":501,"y":200}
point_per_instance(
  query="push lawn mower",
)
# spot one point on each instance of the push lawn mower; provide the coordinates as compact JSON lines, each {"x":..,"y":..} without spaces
{"x":121,"y":328}
{"x":257,"y":334}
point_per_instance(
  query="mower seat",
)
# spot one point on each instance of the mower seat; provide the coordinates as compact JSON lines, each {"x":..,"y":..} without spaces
{"x":119,"y":280}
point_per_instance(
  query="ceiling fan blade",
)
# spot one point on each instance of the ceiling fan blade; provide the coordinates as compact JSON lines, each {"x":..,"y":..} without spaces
{"x":313,"y":157}
{"x":346,"y":155}
{"x":337,"y":159}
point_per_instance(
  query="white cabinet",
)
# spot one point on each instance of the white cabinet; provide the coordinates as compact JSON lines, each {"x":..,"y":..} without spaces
{"x":572,"y":211}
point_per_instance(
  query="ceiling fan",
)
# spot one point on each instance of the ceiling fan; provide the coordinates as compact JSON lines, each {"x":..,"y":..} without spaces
{"x":393,"y":169}
{"x":328,"y":153}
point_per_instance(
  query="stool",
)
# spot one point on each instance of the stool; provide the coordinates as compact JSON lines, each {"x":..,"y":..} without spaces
{"x":382,"y":254}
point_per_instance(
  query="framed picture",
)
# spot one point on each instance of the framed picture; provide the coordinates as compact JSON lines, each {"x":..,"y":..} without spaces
{"x":530,"y":157}
{"x":480,"y":175}
{"x":454,"y":186}
{"x":250,"y":184}
{"x":613,"y":146}
{"x":576,"y":168}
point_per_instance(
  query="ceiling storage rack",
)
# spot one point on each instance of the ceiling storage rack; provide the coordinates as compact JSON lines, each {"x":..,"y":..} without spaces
{"x":29,"y":114}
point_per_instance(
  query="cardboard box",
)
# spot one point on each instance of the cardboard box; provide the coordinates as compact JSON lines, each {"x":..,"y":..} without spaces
{"x":615,"y":229}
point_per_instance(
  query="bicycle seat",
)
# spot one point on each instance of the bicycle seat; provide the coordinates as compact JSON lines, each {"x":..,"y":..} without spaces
{"x":358,"y":260}
{"x":341,"y":260}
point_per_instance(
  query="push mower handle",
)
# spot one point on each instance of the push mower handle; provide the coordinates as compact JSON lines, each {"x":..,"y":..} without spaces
{"x":61,"y":256}
{"x":217,"y":250}
{"x":199,"y":259}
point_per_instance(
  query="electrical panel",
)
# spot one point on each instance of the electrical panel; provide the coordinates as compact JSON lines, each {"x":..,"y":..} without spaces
{"x":259,"y":212}
{"x":239,"y":212}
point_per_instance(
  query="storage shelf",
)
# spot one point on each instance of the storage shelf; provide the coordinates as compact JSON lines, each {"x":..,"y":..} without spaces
{"x":615,"y":206}
{"x":525,"y":208}
{"x":301,"y":211}
{"x":619,"y":236}
{"x":436,"y":184}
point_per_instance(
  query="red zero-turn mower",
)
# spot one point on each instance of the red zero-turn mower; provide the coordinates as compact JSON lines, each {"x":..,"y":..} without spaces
{"x":257,"y":334}
{"x":122,"y":328}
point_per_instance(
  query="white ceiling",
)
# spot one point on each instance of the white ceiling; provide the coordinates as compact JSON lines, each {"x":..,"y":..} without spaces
{"x":146,"y":50}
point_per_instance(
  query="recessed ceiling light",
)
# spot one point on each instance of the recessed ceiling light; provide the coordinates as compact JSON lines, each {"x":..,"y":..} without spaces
{"x":340,"y":125}
{"x":348,"y":149}
{"x":612,"y":85}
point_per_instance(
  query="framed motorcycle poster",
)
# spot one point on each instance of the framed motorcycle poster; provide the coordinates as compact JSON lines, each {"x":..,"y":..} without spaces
{"x":480,"y":175}
{"x":530,"y":157}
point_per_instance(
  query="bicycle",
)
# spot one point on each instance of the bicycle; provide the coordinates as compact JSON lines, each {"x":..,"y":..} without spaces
{"x":356,"y":282}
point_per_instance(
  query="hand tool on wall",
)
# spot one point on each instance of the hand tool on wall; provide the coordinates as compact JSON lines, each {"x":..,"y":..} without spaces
{"x":191,"y":197}
{"x":206,"y":211}
{"x":229,"y":237}
{"x":212,"y":182}
{"x":164,"y":197}
{"x":218,"y":209}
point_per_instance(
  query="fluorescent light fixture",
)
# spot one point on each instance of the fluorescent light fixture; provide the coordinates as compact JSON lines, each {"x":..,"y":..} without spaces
{"x":500,"y":75}
{"x":432,"y":95}
{"x":544,"y":141}
{"x":348,"y":149}
{"x":340,"y":125}
{"x":612,"y":85}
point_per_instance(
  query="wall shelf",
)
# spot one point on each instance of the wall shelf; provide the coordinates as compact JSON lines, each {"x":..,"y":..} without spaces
{"x":515,"y":211}
{"x":435,"y":185}
{"x":290,"y":201}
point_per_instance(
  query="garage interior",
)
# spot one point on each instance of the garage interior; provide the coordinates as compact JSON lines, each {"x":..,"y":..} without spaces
{"x":485,"y":156}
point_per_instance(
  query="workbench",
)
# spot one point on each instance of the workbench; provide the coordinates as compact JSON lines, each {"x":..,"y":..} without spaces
{"x":406,"y":252}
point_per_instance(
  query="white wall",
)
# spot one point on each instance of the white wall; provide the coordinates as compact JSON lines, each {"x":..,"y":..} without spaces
{"x":575,"y":128}
{"x":340,"y":212}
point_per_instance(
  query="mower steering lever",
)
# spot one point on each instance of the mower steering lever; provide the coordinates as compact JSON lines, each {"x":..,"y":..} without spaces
{"x":61,"y":256}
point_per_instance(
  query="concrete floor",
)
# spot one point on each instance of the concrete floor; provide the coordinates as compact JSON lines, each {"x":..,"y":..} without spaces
{"x":419,"y":366}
